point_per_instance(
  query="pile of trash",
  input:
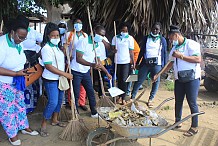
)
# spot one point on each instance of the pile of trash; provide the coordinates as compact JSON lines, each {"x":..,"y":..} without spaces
{"x":126,"y":116}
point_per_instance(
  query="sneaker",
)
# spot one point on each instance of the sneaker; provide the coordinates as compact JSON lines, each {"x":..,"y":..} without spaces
{"x":141,"y":87}
{"x":95,"y":116}
{"x":33,"y":133}
{"x":17,"y":142}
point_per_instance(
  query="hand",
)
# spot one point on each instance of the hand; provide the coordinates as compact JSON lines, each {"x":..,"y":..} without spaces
{"x":1,"y":33}
{"x":68,"y":75}
{"x":109,"y":76}
{"x":177,"y":54}
{"x":96,"y":66}
{"x":22,"y":72}
{"x":155,"y":78}
{"x":113,"y":50}
{"x":133,"y":66}
{"x":137,"y":66}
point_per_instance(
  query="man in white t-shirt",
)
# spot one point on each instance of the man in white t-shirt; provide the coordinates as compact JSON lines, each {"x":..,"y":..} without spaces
{"x":80,"y":65}
{"x":185,"y":58}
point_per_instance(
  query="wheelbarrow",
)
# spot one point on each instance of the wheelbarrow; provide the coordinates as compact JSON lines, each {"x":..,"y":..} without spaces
{"x":104,"y":136}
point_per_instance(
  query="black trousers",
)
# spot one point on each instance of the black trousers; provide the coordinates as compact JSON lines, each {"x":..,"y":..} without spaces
{"x":123,"y":71}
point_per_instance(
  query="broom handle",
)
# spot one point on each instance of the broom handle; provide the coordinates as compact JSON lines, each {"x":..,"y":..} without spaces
{"x":115,"y":57}
{"x":163,"y":68}
{"x":2,"y":23}
{"x":96,"y":59}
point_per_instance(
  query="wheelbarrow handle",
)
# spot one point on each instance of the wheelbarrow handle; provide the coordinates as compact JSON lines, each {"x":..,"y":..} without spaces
{"x":166,"y":100}
{"x":176,"y":124}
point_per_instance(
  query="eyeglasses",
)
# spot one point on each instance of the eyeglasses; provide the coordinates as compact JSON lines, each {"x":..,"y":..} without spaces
{"x":20,"y":38}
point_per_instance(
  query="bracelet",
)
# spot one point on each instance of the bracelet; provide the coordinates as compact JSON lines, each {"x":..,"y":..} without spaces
{"x":182,"y":56}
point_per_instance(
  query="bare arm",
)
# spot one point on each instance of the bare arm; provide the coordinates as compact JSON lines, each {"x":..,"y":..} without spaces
{"x":54,"y":70}
{"x":132,"y":58}
{"x":104,"y":69}
{"x":106,"y":44}
{"x":191,"y":59}
{"x":82,"y":61}
{"x":6,"y":72}
{"x":167,"y":67}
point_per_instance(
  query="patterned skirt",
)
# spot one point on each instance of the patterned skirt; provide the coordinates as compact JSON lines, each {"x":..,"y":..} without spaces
{"x":12,"y":110}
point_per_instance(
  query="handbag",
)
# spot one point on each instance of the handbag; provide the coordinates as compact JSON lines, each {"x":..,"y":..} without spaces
{"x":185,"y":76}
{"x":35,"y":75}
{"x":63,"y":83}
{"x":151,"y":61}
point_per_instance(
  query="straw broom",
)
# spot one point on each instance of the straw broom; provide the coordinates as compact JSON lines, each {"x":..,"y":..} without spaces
{"x":104,"y":101}
{"x":76,"y":129}
{"x":63,"y":114}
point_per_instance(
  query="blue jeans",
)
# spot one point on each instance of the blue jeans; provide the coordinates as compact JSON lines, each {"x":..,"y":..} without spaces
{"x":55,"y":97}
{"x":86,"y":81}
{"x":190,"y":90}
{"x":142,"y":75}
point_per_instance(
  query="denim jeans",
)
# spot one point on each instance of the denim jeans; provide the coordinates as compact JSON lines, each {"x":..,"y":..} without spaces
{"x":142,"y":75}
{"x":55,"y":97}
{"x":190,"y":90}
{"x":86,"y":81}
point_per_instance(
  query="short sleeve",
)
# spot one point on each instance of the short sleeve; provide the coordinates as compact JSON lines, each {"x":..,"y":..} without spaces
{"x":39,"y":36}
{"x":98,"y":51}
{"x":80,"y":46}
{"x":47,"y":55}
{"x":113,"y":41}
{"x":194,"y":48}
{"x":131,"y":43}
{"x":2,"y":54}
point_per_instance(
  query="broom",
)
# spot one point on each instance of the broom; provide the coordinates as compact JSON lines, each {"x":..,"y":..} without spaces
{"x":104,"y":101}
{"x":76,"y":129}
{"x":63,"y":115}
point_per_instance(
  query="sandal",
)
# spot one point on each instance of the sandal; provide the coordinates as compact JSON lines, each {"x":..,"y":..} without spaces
{"x":43,"y":132}
{"x":149,"y":104}
{"x":60,"y":124}
{"x":119,"y":101}
{"x":178,"y":126}
{"x":190,"y":132}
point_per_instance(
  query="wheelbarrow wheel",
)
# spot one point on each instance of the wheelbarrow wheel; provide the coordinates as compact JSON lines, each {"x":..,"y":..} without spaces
{"x":99,"y":137}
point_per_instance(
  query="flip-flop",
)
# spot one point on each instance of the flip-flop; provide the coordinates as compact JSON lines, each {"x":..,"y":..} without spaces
{"x":150,"y":105}
{"x":190,"y":132}
{"x":60,"y":124}
{"x":43,"y":132}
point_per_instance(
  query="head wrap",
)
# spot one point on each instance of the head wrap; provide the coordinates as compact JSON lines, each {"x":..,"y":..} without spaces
{"x":20,"y":22}
{"x":174,"y":29}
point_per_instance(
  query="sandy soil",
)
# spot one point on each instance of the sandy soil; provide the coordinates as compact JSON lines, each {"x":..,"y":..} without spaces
{"x":207,"y":136}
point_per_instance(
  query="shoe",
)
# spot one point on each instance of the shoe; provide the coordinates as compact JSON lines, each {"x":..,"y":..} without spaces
{"x":33,"y":133}
{"x":17,"y":142}
{"x":141,"y":87}
{"x":83,"y":108}
{"x":128,"y":93}
{"x":95,"y":116}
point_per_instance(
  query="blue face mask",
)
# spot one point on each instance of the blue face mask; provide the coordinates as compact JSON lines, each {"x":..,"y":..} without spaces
{"x":13,"y":42}
{"x":78,"y":26}
{"x":124,"y":34}
{"x":62,"y":30}
{"x":98,"y":38}
{"x":175,"y":42}
{"x":154,"y":35}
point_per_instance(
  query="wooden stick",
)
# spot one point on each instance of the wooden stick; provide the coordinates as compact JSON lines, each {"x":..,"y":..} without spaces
{"x":2,"y":23}
{"x":115,"y":57}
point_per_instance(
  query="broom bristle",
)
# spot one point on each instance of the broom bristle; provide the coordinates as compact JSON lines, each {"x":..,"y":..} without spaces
{"x":105,"y":102}
{"x":64,"y":115}
{"x":75,"y":131}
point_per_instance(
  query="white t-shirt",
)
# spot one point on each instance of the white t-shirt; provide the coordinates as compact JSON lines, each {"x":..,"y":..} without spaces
{"x":10,"y":58}
{"x":85,"y":47}
{"x":76,"y":40}
{"x":32,"y":37}
{"x":102,"y":48}
{"x":188,"y":48}
{"x":49,"y":53}
{"x":123,"y":46}
{"x":153,"y":48}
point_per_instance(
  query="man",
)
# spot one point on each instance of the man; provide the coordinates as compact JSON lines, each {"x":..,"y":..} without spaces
{"x":85,"y":58}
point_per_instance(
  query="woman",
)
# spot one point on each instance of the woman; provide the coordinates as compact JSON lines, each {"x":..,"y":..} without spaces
{"x":12,"y":83}
{"x":185,"y":58}
{"x":124,"y":58}
{"x":154,"y":56}
{"x":63,"y":29}
{"x":53,"y":59}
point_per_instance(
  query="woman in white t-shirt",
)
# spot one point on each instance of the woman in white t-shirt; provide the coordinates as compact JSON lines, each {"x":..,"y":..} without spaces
{"x":54,"y":62}
{"x":13,"y":116}
{"x":124,"y":58}
{"x":185,"y":58}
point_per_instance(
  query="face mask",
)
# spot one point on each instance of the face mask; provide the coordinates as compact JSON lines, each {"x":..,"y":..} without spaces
{"x":154,"y":35}
{"x":13,"y":42}
{"x":123,"y":34}
{"x":55,"y":41}
{"x":175,"y":42}
{"x":62,"y":30}
{"x":98,"y":38}
{"x":78,"y":26}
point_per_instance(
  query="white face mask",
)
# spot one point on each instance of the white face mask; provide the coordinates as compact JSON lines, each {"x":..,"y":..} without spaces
{"x":62,"y":30}
{"x":154,"y":35}
{"x":78,"y":26}
{"x":175,"y":42}
{"x":55,"y":41}
{"x":124,"y":34}
{"x":98,"y":38}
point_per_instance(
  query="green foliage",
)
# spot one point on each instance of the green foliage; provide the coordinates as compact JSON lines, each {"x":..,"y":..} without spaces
{"x":169,"y":85}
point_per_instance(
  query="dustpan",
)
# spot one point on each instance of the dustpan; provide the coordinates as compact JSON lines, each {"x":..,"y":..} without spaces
{"x":114,"y":91}
{"x":133,"y":77}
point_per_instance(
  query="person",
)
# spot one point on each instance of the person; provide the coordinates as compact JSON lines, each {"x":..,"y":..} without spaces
{"x":154,"y":56}
{"x":124,"y":58}
{"x":32,"y":46}
{"x":184,"y":57}
{"x":54,"y":62}
{"x":63,"y":29}
{"x":85,"y":58}
{"x":75,"y":36}
{"x":13,"y":116}
{"x":136,"y":54}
